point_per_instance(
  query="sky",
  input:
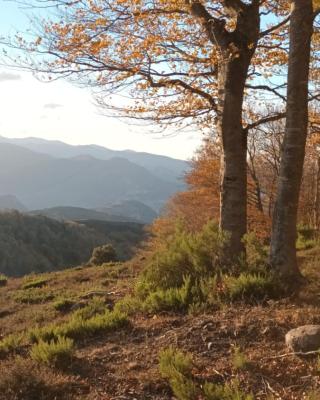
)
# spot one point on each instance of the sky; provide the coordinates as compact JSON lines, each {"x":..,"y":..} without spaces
{"x":61,"y":111}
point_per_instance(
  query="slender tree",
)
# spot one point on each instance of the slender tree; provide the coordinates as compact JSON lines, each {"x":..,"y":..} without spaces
{"x":284,"y":232}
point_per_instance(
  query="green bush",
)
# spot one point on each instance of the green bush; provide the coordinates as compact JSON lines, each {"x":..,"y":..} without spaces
{"x":256,"y":258}
{"x":250,"y":287}
{"x":79,"y":328}
{"x":177,"y":368}
{"x":3,"y":280}
{"x":128,"y":305}
{"x":63,"y":304}
{"x":103,"y":254}
{"x":11,"y":343}
{"x":239,"y":359}
{"x":57,"y":352}
{"x":95,"y":306}
{"x":196,"y":255}
{"x":34,"y":283}
{"x":33,"y":296}
{"x":307,"y":237}
{"x":228,"y":391}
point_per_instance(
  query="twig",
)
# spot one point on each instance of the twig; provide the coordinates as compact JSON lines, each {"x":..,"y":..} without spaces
{"x":294,"y":353}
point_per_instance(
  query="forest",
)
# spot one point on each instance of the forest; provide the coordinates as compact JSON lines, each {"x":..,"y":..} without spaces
{"x":222,"y":300}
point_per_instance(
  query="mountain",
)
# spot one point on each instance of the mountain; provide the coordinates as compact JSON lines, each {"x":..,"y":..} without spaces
{"x":133,"y":209}
{"x":38,"y":244}
{"x":10,"y":202}
{"x":80,"y":214}
{"x":42,"y":181}
{"x":163,"y":167}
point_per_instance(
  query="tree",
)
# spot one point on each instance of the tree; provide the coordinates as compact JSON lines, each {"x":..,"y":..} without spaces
{"x":182,"y":62}
{"x":284,"y":232}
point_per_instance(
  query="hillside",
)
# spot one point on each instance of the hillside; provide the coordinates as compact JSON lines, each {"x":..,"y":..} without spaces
{"x":38,"y":244}
{"x":41,"y":181}
{"x":133,"y":209}
{"x":79,"y":214}
{"x":122,"y":362}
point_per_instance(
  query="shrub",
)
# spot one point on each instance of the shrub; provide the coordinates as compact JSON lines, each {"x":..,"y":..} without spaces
{"x":3,"y":280}
{"x":239,"y":359}
{"x":199,"y":295}
{"x":95,"y":306}
{"x":128,"y":305}
{"x":35,"y":283}
{"x":78,"y":328}
{"x":57,"y":352}
{"x":63,"y":304}
{"x":250,"y":287}
{"x":306,"y":238}
{"x":11,"y":343}
{"x":103,"y":254}
{"x":196,"y":255}
{"x":228,"y":391}
{"x":256,"y":258}
{"x":177,"y":368}
{"x":33,"y":296}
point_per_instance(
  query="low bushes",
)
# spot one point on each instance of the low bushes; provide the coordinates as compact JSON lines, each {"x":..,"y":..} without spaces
{"x":33,"y":296}
{"x":34,"y":283}
{"x":177,"y":368}
{"x":58,"y":352}
{"x":78,"y":328}
{"x":186,"y":274}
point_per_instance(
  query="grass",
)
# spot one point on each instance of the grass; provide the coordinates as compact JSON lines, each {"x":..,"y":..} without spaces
{"x":56,"y":353}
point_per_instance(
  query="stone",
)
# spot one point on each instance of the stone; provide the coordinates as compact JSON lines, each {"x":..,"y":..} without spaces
{"x":303,"y":339}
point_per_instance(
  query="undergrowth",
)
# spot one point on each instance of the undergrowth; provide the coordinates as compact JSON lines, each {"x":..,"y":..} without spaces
{"x":177,"y":368}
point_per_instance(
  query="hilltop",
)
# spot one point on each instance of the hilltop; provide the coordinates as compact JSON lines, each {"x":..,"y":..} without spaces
{"x":122,"y":362}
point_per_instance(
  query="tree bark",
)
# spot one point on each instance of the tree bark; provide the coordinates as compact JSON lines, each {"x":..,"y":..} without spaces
{"x":284,"y":231}
{"x":233,"y":207}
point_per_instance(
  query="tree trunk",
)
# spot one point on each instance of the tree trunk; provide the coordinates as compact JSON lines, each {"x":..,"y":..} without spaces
{"x":316,"y":196}
{"x":233,"y":208}
{"x":284,"y":228}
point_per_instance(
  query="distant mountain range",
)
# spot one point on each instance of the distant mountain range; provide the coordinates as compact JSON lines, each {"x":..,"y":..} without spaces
{"x":129,"y":211}
{"x":40,"y":174}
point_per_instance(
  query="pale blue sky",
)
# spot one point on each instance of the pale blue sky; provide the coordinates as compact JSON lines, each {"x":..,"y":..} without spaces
{"x":61,"y":111}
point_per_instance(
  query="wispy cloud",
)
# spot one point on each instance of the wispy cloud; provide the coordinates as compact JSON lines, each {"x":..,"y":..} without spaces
{"x":52,"y":106}
{"x":7,"y":76}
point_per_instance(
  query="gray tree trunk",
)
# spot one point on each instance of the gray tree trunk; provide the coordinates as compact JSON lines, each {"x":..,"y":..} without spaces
{"x":233,"y":207}
{"x":284,"y":232}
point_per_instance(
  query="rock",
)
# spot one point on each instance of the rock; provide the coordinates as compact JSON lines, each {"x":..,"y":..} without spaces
{"x":303,"y":339}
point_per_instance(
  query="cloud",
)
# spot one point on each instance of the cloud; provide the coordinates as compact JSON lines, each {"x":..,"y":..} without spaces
{"x":7,"y":76}
{"x":52,"y":106}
